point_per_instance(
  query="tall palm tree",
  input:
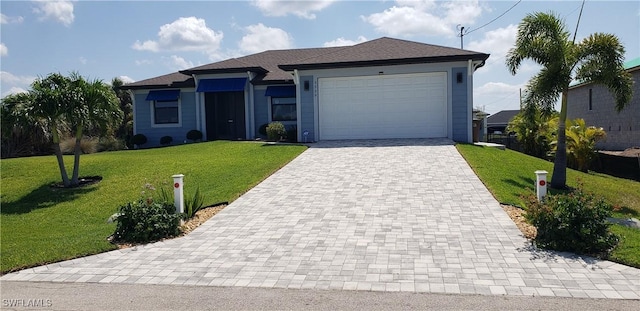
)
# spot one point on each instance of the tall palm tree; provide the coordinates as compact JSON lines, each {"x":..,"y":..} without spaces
{"x":543,"y":38}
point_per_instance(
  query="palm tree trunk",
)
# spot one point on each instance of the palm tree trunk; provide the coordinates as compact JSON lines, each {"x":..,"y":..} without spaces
{"x":559,"y":177}
{"x":76,"y":157}
{"x":58,"y":152}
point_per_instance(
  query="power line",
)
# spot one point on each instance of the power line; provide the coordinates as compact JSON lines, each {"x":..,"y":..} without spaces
{"x":493,"y":20}
{"x":463,"y":33}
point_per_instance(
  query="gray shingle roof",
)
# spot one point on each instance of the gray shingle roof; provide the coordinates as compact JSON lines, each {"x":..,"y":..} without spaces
{"x":272,"y":66}
{"x":502,"y":117}
{"x":384,"y":51}
{"x":175,"y":80}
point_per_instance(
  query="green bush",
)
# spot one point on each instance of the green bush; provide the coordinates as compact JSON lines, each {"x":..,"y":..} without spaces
{"x":111,"y":143}
{"x":276,"y":131}
{"x":139,"y":139}
{"x":574,"y":222}
{"x":165,"y":140}
{"x":146,"y":220}
{"x":194,"y":135}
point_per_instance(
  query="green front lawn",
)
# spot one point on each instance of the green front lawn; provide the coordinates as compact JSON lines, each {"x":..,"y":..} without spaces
{"x":509,"y":174}
{"x":41,"y":224}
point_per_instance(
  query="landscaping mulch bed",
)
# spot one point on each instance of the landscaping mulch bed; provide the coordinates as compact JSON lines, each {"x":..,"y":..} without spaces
{"x":517,"y":215}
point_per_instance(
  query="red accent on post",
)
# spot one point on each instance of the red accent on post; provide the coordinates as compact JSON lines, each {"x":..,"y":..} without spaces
{"x":177,"y":185}
{"x":542,"y":183}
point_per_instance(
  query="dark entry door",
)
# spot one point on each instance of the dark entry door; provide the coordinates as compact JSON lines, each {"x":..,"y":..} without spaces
{"x":225,"y":115}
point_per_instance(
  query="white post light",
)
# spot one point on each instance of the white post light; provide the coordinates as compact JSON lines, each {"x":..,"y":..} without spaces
{"x":178,"y":192}
{"x":541,"y":184}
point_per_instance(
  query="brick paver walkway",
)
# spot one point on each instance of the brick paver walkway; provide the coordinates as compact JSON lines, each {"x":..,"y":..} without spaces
{"x":391,"y":215}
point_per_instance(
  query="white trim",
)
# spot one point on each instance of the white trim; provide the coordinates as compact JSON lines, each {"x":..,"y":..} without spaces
{"x":152,"y":112}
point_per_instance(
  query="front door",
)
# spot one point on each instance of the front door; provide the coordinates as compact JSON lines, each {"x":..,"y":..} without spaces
{"x":225,"y":115}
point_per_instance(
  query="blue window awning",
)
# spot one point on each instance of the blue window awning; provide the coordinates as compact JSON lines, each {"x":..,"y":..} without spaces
{"x":163,"y":95}
{"x":222,"y":85}
{"x":281,"y":91}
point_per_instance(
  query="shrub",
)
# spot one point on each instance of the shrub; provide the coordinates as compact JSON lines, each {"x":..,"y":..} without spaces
{"x":193,"y":204}
{"x":151,"y":218}
{"x":574,"y":222}
{"x":165,"y":140}
{"x":111,"y":143}
{"x":194,"y":135}
{"x":276,"y":131}
{"x":146,"y":220}
{"x":263,"y":129}
{"x":139,"y":139}
{"x":87,"y":145}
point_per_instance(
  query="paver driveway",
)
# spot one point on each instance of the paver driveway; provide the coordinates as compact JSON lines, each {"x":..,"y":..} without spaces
{"x":391,"y":215}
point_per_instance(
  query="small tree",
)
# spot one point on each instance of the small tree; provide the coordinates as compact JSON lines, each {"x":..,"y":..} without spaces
{"x":535,"y":130}
{"x":71,"y":103}
{"x":581,"y":143}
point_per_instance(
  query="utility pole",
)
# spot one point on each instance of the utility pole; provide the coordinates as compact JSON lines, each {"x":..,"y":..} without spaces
{"x":461,"y":35}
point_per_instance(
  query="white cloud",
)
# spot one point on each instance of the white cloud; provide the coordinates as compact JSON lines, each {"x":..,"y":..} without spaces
{"x":3,"y":50}
{"x":261,"y":38}
{"x":344,"y":42}
{"x":178,"y":63}
{"x":410,"y":18}
{"x":60,"y":11}
{"x":496,"y":42}
{"x":126,"y":79}
{"x":82,"y":60}
{"x":4,"y":19}
{"x":302,"y":9}
{"x":9,"y":78}
{"x":13,"y":90}
{"x":184,"y":34}
{"x":496,"y":96}
{"x":13,"y":83}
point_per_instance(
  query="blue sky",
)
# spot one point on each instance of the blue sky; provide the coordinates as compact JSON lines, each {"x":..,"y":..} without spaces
{"x":137,"y":40}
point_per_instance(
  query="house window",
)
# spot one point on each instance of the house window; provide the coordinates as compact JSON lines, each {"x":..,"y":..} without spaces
{"x":590,"y":99}
{"x":283,"y":109}
{"x":166,"y":112}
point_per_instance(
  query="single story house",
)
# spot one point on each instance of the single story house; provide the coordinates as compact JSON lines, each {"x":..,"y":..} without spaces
{"x":384,"y":88}
{"x":595,"y":104}
{"x":498,"y":121}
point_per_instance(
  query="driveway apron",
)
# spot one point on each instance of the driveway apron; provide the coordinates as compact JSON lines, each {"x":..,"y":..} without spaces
{"x":387,"y":215}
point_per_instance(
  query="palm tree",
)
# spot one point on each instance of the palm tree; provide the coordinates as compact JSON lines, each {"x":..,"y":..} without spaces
{"x":46,"y":102}
{"x":92,"y":106}
{"x":64,"y":104}
{"x":543,"y":38}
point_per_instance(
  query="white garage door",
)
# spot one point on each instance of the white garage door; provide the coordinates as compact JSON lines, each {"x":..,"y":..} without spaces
{"x":384,"y":106}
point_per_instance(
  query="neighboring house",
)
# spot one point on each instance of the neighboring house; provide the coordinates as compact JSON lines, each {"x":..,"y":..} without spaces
{"x":498,"y":122}
{"x":384,"y":88}
{"x":594,"y":104}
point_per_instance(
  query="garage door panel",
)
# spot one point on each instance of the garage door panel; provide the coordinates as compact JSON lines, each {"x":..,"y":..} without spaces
{"x":390,"y":106}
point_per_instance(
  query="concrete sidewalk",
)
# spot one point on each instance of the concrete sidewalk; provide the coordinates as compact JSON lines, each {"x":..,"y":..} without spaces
{"x":396,"y":215}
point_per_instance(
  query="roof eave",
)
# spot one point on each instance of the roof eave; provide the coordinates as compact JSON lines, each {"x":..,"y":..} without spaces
{"x":223,"y":70}
{"x":385,"y":62}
